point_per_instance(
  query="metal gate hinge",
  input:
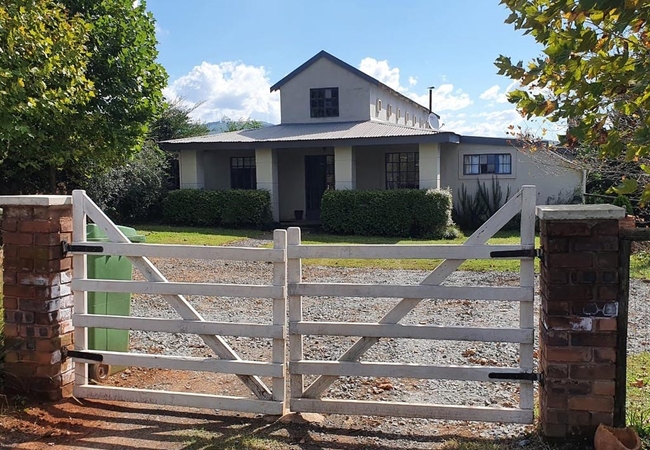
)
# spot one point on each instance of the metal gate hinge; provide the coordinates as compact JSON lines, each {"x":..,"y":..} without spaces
{"x":526,"y":253}
{"x":80,"y":248}
{"x":522,"y":376}
{"x":67,"y":353}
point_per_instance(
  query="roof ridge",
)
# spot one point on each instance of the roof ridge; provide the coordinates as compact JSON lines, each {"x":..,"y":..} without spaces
{"x":346,"y":66}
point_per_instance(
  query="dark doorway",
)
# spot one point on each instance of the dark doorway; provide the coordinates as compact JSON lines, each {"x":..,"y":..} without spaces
{"x":319,"y":175}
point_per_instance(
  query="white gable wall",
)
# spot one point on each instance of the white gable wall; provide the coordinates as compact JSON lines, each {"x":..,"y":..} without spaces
{"x":399,"y":109}
{"x":353,"y":94}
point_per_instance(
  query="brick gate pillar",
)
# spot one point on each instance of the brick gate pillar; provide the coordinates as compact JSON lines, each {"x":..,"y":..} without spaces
{"x":37,"y":296}
{"x":579,"y":286}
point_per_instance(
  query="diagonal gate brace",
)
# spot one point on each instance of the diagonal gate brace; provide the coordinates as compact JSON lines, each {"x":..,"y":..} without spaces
{"x":178,"y":302}
{"x":435,"y":278}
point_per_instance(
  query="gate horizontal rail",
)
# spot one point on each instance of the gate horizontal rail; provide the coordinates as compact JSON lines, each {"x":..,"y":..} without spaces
{"x":167,"y":287}
{"x":193,"y":364}
{"x":433,"y":332}
{"x":388,"y":251}
{"x":398,"y":370}
{"x":240,"y":329}
{"x":418,"y":410}
{"x":185,"y":251}
{"x":188,"y":399}
{"x":515,"y":294}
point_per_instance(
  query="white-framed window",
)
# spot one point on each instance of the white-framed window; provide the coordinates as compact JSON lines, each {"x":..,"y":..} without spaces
{"x":378,"y":106}
{"x":389,"y":111}
{"x":494,"y":163}
{"x":407,"y":117}
{"x":399,"y":113}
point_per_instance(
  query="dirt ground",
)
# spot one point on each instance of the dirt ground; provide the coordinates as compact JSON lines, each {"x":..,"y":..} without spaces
{"x":93,"y":424}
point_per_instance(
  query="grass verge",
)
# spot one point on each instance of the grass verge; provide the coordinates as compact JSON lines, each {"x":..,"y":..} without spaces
{"x":162,"y":234}
{"x":638,"y":395}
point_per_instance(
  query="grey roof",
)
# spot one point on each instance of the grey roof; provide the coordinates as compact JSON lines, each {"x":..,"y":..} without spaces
{"x":314,"y":134}
{"x":349,"y":68}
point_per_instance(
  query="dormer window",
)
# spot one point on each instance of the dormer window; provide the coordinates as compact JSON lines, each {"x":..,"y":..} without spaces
{"x":324,"y":102}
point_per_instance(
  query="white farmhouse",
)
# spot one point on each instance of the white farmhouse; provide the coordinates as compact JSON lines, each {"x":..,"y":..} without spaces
{"x":342,"y":129}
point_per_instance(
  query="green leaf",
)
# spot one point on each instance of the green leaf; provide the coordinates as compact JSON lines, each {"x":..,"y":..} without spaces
{"x":627,"y":186}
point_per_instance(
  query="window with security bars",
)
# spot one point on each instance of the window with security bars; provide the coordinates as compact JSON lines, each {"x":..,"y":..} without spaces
{"x":324,"y":102}
{"x":495,"y":163}
{"x":242,"y":173}
{"x":402,"y":170}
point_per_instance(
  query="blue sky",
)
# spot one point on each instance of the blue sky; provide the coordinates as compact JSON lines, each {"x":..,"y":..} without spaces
{"x":228,"y":53}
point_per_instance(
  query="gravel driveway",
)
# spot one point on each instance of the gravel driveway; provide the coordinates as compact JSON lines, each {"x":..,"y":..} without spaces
{"x":438,"y":312}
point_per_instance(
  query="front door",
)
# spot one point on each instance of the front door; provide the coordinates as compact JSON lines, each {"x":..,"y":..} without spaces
{"x":319,"y":175}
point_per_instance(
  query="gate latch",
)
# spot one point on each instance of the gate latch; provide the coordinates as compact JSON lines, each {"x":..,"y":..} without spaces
{"x":80,"y":248}
{"x":522,"y":376}
{"x":526,"y":253}
{"x":67,"y":353}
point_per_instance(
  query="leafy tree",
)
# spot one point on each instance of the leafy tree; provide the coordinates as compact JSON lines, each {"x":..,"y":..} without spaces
{"x":594,"y":74}
{"x":127,"y":78}
{"x":115,"y":70}
{"x":175,"y":122}
{"x":133,"y":192}
{"x":43,"y":83}
{"x":241,"y":124}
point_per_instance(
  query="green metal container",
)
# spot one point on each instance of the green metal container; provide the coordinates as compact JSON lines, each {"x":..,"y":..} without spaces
{"x":108,"y":303}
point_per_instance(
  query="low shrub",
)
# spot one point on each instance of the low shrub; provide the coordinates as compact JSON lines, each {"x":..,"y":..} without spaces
{"x":396,"y":213}
{"x":236,"y":208}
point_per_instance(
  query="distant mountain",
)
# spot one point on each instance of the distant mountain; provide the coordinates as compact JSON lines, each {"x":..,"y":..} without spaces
{"x":221,"y":127}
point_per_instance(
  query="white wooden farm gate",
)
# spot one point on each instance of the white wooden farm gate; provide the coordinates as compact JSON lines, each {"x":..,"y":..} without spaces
{"x":286,"y":292}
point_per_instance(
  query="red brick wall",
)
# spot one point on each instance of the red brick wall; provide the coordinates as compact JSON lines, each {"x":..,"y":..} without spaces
{"x":37,"y":300}
{"x":579,"y":268}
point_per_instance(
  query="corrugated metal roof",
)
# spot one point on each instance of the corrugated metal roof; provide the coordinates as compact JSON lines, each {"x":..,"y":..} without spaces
{"x":310,"y":132}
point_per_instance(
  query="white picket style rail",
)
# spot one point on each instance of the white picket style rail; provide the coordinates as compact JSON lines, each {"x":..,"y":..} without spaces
{"x":287,"y":291}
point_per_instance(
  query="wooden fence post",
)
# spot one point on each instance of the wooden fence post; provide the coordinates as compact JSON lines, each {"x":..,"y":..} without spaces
{"x":294,"y":275}
{"x":279,"y":315}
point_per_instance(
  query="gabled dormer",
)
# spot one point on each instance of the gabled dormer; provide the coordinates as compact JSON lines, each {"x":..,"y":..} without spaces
{"x":326,"y":89}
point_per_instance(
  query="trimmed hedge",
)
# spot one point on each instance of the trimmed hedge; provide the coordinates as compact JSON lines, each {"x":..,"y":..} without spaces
{"x":396,"y":212}
{"x":236,"y":208}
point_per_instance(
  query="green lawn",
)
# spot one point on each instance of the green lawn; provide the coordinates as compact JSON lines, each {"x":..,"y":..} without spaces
{"x":163,"y":234}
{"x":640,"y":264}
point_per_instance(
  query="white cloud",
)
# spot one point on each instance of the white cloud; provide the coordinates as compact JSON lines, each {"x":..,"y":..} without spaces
{"x":495,"y":94}
{"x":232,"y":89}
{"x":382,"y":71}
{"x":160,"y":31}
{"x":445,"y":97}
{"x":491,"y":124}
{"x":491,"y":94}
